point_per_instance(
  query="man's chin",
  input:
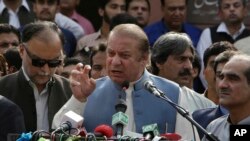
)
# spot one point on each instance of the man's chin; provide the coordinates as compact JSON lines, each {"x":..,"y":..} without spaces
{"x":184,"y":83}
{"x":41,"y":80}
{"x":117,"y":80}
{"x":46,"y":18}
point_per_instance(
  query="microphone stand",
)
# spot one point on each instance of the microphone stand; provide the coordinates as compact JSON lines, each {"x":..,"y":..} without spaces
{"x":186,"y":115}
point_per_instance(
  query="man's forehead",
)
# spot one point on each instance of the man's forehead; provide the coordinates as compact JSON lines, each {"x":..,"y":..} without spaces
{"x":109,"y":48}
{"x":188,"y":52}
{"x":48,"y":1}
{"x":230,"y":1}
{"x":116,"y":2}
{"x":232,"y":68}
{"x":4,"y":34}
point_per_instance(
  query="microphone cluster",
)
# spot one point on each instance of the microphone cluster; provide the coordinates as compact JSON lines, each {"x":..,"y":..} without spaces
{"x":101,"y":132}
{"x":70,"y":130}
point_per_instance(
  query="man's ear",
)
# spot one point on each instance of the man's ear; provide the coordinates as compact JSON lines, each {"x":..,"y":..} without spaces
{"x":196,"y":72}
{"x":219,"y":13}
{"x":245,"y":11}
{"x":34,"y":7}
{"x":21,"y":51}
{"x":101,"y":12}
{"x":146,"y":59}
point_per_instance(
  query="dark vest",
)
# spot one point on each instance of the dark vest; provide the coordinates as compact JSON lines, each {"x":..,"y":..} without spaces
{"x":222,"y":36}
{"x":24,"y":15}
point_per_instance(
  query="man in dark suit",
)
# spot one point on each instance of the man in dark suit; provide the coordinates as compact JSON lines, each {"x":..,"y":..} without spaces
{"x":35,"y":88}
{"x":16,"y":12}
{"x":11,"y":118}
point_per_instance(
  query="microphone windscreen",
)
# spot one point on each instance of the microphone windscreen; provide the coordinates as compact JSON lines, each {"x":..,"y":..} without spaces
{"x":125,"y":85}
{"x":121,"y":106}
{"x":105,"y":130}
{"x":171,"y":136}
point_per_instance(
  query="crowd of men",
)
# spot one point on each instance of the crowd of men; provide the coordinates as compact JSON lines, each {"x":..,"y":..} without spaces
{"x":53,"y":61}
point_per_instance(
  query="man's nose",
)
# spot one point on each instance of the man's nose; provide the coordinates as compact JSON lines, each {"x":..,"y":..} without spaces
{"x":188,"y":64}
{"x":103,"y":72}
{"x":116,"y":60}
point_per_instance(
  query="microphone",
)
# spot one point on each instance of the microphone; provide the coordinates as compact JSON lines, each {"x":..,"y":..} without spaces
{"x":121,"y":106}
{"x":150,"y":131}
{"x":104,"y":130}
{"x":125,"y":85}
{"x":152,"y":88}
{"x":70,"y":120}
{"x":182,"y":111}
{"x":171,"y":136}
{"x":120,"y":119}
{"x":65,"y":126}
{"x":75,"y":119}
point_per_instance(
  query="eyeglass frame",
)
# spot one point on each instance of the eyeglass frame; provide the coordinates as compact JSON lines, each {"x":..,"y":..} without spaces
{"x":38,"y":62}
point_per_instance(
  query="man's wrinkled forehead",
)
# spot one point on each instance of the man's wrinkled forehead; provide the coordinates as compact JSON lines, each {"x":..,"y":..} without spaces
{"x":116,"y":3}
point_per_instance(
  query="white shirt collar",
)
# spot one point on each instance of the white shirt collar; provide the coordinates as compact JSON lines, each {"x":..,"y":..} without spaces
{"x":25,"y":4}
{"x":223,"y":28}
{"x":25,"y":74}
{"x":3,"y":6}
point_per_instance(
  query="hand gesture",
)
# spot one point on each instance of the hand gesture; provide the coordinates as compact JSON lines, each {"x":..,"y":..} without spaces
{"x":80,"y":82}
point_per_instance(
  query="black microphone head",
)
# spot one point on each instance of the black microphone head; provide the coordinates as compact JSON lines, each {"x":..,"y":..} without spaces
{"x":121,"y":106}
{"x":65,"y":126}
{"x":125,"y":85}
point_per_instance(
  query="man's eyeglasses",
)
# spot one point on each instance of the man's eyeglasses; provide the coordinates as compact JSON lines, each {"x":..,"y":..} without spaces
{"x":7,"y":44}
{"x":41,"y":62}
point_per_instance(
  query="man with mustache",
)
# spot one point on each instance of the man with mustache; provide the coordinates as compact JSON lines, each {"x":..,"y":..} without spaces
{"x":206,"y":115}
{"x":172,"y":57}
{"x":232,"y":14}
{"x":234,"y":94}
{"x":35,"y":88}
{"x":128,"y":54}
{"x":174,"y":19}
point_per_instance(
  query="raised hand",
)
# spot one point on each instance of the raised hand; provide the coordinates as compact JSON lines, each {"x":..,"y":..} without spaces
{"x":81,"y":84}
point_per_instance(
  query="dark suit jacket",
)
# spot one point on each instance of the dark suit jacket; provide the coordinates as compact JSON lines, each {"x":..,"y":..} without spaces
{"x":11,"y":118}
{"x":205,"y":116}
{"x":24,"y":15}
{"x":16,"y":88}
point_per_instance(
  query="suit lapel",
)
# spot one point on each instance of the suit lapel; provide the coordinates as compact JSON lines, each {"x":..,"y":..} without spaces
{"x":4,"y":17}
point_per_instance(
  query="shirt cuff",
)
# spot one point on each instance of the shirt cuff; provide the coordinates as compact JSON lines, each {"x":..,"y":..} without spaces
{"x":75,"y":105}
